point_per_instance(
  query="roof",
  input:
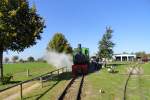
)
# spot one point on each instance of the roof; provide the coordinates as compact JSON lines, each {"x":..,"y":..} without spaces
{"x":125,"y":55}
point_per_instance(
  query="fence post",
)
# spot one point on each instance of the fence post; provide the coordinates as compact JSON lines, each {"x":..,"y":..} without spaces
{"x":63,"y":70}
{"x":41,"y":82}
{"x":28,"y":73}
{"x":51,"y":75}
{"x":66,"y":69}
{"x":21,"y":96}
{"x":58,"y":72}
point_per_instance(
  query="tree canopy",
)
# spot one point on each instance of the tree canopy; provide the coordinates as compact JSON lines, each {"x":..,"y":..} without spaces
{"x":20,"y":26}
{"x":106,"y":45}
{"x":30,"y":59}
{"x":60,"y":44}
{"x":142,"y":54}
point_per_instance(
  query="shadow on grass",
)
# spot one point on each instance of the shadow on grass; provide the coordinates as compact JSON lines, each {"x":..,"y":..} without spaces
{"x":9,"y":83}
{"x":14,"y":82}
{"x":57,"y":79}
{"x":116,"y":65}
{"x":116,"y":71}
{"x":65,"y":76}
{"x":41,"y":95}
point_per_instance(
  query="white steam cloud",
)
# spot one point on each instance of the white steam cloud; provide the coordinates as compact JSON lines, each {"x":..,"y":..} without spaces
{"x":58,"y":59}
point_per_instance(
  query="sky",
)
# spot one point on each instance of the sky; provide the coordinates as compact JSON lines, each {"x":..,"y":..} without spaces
{"x":85,"y":21}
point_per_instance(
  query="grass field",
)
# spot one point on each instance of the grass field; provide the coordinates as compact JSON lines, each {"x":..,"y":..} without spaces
{"x":93,"y":82}
{"x":113,"y":84}
{"x":19,"y":71}
{"x":51,"y":89}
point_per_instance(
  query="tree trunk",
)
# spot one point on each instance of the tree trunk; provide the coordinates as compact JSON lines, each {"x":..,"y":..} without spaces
{"x":105,"y":65}
{"x":1,"y":64}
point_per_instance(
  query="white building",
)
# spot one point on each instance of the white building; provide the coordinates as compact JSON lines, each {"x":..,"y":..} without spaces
{"x":124,"y":57}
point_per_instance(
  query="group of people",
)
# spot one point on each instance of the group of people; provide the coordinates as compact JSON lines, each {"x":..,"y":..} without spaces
{"x":95,"y":64}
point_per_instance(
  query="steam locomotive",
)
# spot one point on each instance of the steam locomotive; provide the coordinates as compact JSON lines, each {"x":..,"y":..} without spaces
{"x":81,"y":61}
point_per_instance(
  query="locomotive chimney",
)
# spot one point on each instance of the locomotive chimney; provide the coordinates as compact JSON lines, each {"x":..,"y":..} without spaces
{"x":79,"y":46}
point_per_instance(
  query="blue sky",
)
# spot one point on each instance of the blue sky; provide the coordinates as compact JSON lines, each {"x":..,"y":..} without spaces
{"x":84,"y":21}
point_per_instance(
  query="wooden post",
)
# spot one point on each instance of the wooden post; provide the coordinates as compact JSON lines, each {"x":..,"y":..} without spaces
{"x":58,"y":75}
{"x":21,"y":96}
{"x":66,"y":69}
{"x":62,"y":70}
{"x":41,"y":82}
{"x":27,"y":72}
{"x":58,"y":72}
{"x":51,"y":76}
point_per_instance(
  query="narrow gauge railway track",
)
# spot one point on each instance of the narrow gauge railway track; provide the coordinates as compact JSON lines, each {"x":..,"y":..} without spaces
{"x":73,"y":90}
{"x":127,"y":80}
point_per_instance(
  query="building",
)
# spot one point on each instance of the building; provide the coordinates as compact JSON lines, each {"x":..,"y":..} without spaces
{"x":124,"y":57}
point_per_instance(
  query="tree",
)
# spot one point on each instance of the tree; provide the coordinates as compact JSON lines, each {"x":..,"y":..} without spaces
{"x":41,"y":59}
{"x":21,"y":60}
{"x":106,"y":45}
{"x":6,"y":59}
{"x":148,"y":55}
{"x":125,"y":53}
{"x":30,"y":59}
{"x":20,"y":27}
{"x":15,"y":58}
{"x":141,"y":54}
{"x":59,"y":43}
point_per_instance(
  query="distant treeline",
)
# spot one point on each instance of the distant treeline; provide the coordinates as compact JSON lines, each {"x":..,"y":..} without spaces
{"x":15,"y":59}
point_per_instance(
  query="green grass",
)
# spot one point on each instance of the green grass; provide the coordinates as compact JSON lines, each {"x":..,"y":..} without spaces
{"x":139,"y":86}
{"x":51,"y":89}
{"x":21,"y":67}
{"x":97,"y":80}
{"x":113,"y":84}
{"x":146,"y":68}
{"x":19,"y":70}
{"x":145,"y":82}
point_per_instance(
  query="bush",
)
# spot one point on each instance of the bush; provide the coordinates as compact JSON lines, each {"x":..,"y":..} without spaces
{"x":6,"y":79}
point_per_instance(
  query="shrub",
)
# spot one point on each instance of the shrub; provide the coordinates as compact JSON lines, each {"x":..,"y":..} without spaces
{"x":6,"y":79}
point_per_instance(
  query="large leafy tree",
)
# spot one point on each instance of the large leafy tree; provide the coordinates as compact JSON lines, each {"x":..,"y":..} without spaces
{"x":106,"y":45}
{"x":20,"y":27}
{"x":59,"y":43}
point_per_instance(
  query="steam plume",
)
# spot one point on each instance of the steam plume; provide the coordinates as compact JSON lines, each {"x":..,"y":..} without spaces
{"x":58,"y":59}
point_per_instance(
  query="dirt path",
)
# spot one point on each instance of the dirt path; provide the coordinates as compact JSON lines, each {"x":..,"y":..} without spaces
{"x":14,"y":93}
{"x":10,"y":95}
